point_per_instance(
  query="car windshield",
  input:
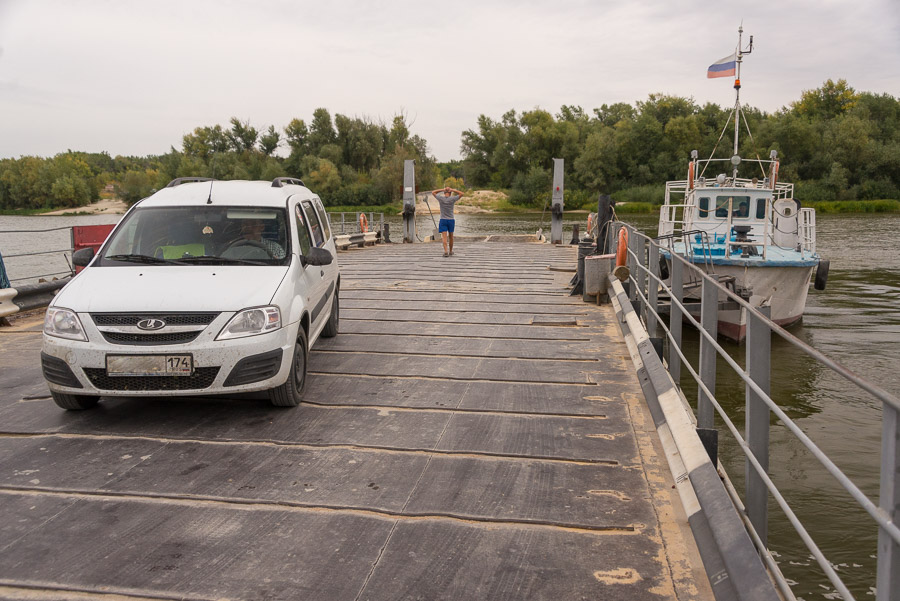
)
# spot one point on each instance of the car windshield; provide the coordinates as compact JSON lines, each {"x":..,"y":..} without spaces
{"x":200,"y":235}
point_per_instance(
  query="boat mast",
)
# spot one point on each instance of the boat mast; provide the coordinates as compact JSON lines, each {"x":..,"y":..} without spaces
{"x":737,"y":96}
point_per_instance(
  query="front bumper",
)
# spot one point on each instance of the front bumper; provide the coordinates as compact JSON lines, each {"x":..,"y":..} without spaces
{"x":241,"y":365}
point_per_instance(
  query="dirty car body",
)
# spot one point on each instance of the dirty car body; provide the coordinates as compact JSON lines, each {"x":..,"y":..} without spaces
{"x":205,"y":287}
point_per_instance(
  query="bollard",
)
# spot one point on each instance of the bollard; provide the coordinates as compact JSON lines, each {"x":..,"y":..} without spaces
{"x":596,"y":278}
{"x":584,"y":249}
{"x":387,"y":233}
{"x":574,"y":239}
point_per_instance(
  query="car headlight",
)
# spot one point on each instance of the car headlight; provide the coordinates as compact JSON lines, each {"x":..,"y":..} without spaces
{"x":250,"y":322}
{"x":63,"y":323}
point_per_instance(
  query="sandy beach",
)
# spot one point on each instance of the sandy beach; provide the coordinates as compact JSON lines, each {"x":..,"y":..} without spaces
{"x":105,"y":206}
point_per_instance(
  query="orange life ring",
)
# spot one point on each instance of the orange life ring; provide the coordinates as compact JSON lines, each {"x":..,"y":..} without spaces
{"x":622,"y":247}
{"x":590,"y":223}
{"x":363,"y":223}
{"x":691,"y":175}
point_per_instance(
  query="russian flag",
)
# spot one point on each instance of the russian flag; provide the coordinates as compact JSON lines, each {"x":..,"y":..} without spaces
{"x":724,"y":67}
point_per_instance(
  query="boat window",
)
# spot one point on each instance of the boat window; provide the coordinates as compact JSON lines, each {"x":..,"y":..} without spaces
{"x":761,"y":208}
{"x":740,"y":206}
{"x":704,"y":207}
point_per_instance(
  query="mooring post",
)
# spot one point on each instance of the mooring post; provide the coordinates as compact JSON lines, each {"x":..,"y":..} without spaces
{"x":409,"y":200}
{"x":556,"y":208}
{"x":887,"y":581}
{"x":675,"y":317}
{"x":756,"y":420}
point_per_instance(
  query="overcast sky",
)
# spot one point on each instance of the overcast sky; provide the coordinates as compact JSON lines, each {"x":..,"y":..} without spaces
{"x":133,"y":77}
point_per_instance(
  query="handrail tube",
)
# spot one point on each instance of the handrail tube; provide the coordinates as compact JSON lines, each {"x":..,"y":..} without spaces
{"x":877,"y":513}
{"x":43,"y":252}
{"x":876,"y":391}
{"x":770,"y":485}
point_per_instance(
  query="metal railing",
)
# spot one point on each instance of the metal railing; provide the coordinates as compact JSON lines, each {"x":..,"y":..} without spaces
{"x":645,"y":284}
{"x":354,"y":224}
{"x":66,"y":252}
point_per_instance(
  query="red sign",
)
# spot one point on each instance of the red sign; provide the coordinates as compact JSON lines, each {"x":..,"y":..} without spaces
{"x":89,"y":236}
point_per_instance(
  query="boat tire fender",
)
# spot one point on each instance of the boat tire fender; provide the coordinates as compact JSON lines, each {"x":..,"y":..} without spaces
{"x":822,"y":274}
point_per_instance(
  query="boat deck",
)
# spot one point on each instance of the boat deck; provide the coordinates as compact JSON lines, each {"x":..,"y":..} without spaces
{"x":472,"y":433}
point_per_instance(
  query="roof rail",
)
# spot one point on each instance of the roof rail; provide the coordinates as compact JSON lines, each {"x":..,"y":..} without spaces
{"x":278,"y":182}
{"x":184,"y":180}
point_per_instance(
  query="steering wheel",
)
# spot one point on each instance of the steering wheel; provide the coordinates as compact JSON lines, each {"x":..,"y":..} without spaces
{"x":239,"y":242}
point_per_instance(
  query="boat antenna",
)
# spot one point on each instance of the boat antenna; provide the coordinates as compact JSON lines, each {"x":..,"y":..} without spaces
{"x":737,"y":94}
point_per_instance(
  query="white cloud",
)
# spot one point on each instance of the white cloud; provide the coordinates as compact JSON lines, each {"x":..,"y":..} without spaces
{"x":132,"y":77}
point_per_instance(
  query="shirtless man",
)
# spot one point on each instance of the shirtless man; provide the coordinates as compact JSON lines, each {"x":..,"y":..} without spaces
{"x":447,"y":197}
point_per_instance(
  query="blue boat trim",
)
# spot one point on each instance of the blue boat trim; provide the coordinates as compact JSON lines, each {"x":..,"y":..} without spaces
{"x":777,"y":257}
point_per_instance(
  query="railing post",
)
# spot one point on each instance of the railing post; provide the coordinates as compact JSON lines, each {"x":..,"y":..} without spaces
{"x":675,"y":317}
{"x":342,"y":222}
{"x":709,"y":318}
{"x":887,"y":581}
{"x":630,"y":262}
{"x":640,"y":250}
{"x":653,"y":290}
{"x":756,"y":420}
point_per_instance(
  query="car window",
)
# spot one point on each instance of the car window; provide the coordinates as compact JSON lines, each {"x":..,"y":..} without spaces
{"x":198,"y":235}
{"x":313,"y":220}
{"x":302,"y":231}
{"x":323,"y":218}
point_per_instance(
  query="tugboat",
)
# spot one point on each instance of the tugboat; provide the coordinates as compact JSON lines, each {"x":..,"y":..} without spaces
{"x":751,"y":233}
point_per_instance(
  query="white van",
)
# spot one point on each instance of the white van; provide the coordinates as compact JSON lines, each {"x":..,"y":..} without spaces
{"x":205,"y":287}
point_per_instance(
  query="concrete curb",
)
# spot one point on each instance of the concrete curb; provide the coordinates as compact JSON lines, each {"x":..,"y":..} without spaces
{"x":732,"y":563}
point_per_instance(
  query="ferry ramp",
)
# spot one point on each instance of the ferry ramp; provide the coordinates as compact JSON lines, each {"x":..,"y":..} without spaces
{"x":472,"y":433}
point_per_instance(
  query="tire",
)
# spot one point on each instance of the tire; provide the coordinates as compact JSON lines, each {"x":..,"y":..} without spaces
{"x":290,"y":393}
{"x":331,"y":326}
{"x":74,"y":402}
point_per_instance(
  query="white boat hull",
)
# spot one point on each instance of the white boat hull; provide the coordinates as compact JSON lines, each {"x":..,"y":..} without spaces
{"x":783,"y":289}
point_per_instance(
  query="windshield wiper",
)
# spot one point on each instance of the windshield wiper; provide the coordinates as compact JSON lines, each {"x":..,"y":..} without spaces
{"x":214,"y":260}
{"x":138,"y":259}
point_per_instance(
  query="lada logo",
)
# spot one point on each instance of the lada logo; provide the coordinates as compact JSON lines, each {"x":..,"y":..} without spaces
{"x":151,"y":324}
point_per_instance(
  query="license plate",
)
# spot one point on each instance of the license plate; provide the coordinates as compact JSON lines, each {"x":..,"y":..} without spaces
{"x":149,"y":365}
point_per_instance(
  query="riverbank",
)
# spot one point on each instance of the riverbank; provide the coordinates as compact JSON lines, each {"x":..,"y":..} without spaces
{"x":104,"y":206}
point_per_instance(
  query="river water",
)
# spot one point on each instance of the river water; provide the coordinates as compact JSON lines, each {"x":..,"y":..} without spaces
{"x":856,"y":321}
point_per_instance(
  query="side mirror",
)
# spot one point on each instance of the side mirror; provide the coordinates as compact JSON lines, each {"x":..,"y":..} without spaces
{"x":319,"y":256}
{"x":81,"y":258}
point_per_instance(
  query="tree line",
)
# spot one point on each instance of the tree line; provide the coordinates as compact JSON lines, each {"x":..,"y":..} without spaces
{"x":834,"y":143}
{"x":346,"y":160}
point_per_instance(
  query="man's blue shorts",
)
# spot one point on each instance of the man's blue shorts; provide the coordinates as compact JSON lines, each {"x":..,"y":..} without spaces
{"x":446,"y":225}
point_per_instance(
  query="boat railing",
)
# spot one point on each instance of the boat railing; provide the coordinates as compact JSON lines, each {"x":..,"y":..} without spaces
{"x":782,"y":190}
{"x":644,"y":286}
{"x":807,"y":230}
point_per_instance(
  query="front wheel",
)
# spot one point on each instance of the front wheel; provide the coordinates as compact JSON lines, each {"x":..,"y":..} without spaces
{"x":74,"y":402}
{"x":290,"y":393}
{"x":331,"y":326}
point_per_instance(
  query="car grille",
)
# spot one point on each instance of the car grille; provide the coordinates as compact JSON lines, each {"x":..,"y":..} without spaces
{"x":150,"y":339}
{"x":171,"y":319}
{"x":202,"y":378}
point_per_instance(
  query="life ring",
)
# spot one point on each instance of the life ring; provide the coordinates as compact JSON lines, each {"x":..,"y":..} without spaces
{"x":622,"y":247}
{"x":691,"y":175}
{"x":363,"y":223}
{"x":590,"y":223}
